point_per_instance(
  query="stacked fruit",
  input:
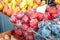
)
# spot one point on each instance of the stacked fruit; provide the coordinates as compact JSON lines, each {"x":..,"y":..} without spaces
{"x":48,"y":29}
{"x":30,"y":24}
{"x":26,"y":23}
{"x":9,"y":7}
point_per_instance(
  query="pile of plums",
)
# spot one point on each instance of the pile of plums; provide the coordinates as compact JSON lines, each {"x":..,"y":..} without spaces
{"x":26,"y":24}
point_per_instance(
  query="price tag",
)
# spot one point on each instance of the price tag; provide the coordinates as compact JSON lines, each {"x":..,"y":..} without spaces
{"x":41,"y":9}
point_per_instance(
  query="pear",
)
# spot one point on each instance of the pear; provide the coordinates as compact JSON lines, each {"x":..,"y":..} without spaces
{"x":1,"y":6}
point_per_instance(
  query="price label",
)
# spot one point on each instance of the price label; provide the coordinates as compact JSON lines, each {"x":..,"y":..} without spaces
{"x":41,"y":9}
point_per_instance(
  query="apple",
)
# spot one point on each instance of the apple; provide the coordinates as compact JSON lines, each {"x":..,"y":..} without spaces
{"x":40,"y":16}
{"x":5,"y":9}
{"x":54,"y":16}
{"x":29,"y":37}
{"x":53,"y":10}
{"x":19,"y":32}
{"x":28,"y":13}
{"x":58,"y":6}
{"x":19,"y":23}
{"x":47,"y":16}
{"x":25,"y":18}
{"x":9,"y":12}
{"x":33,"y":23}
{"x":33,"y":15}
{"x":15,"y":27}
{"x":30,"y":31}
{"x":25,"y":26}
{"x":25,"y":33}
{"x":19,"y":14}
{"x":58,"y":11}
{"x":13,"y":19}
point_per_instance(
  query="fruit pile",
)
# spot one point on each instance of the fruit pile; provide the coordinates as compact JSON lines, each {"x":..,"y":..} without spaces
{"x":9,"y":7}
{"x":33,"y":25}
{"x":30,"y":24}
{"x":49,"y":28}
